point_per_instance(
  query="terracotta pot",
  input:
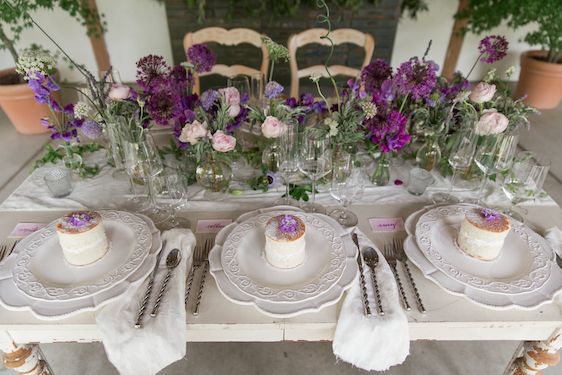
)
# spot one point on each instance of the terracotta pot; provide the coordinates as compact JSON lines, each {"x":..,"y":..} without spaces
{"x":540,"y":81}
{"x":18,"y":102}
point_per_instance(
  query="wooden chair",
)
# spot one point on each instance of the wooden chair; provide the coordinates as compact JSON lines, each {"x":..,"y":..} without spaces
{"x":226,"y":37}
{"x":339,"y":36}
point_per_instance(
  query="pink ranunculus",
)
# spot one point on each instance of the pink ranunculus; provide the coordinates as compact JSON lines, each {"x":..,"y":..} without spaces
{"x":223,"y":142}
{"x":482,"y":92}
{"x":491,"y":122}
{"x":272,"y":127}
{"x":119,"y":92}
{"x":192,"y":133}
{"x":232,"y":98}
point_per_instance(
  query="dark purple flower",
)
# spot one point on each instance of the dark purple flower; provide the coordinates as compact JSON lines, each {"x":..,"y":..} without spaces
{"x":271,"y":179}
{"x":319,"y":107}
{"x":149,"y":68}
{"x":288,"y":224}
{"x":389,"y":131}
{"x":490,"y":215}
{"x":238,"y":120}
{"x":450,"y":90}
{"x":208,"y":98}
{"x":374,"y":74}
{"x":291,"y":102}
{"x":91,"y":129}
{"x":493,"y":48}
{"x":273,"y":90}
{"x":416,"y":78}
{"x":398,"y":182}
{"x":307,"y":99}
{"x":201,"y":57}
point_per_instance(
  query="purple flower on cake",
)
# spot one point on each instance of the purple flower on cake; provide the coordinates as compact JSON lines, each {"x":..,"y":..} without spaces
{"x":78,"y":219}
{"x":201,"y":57}
{"x":493,"y":48}
{"x":288,"y":224}
{"x":273,"y":90}
{"x":489,"y":214}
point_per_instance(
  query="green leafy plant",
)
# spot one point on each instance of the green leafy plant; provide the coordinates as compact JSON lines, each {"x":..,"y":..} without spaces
{"x":484,"y":15}
{"x":53,"y":155}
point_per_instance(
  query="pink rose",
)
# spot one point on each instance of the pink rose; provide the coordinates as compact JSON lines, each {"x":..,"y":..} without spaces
{"x":119,"y":92}
{"x":223,"y":142}
{"x":272,"y":127}
{"x":191,"y":133}
{"x":482,"y":92}
{"x":491,"y":122}
{"x":232,"y":98}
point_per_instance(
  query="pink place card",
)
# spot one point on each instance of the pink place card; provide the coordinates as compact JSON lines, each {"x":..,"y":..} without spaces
{"x":24,"y":229}
{"x":386,"y":224}
{"x":212,"y":225}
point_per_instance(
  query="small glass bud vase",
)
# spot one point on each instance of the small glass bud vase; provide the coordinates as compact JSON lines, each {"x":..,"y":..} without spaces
{"x":213,"y":174}
{"x":429,"y":154}
{"x":381,"y":176}
{"x":271,"y":157}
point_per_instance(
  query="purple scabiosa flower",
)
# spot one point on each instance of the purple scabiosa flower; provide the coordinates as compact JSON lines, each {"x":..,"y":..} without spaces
{"x":208,"y":99}
{"x":149,"y":68}
{"x":493,"y":48}
{"x":416,"y":78}
{"x":273,"y":90}
{"x":374,"y":74}
{"x":201,"y":57}
{"x":91,"y":129}
{"x":271,"y":179}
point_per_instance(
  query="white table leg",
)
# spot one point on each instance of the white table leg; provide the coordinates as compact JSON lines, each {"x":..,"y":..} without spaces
{"x":24,"y":359}
{"x":537,"y":355}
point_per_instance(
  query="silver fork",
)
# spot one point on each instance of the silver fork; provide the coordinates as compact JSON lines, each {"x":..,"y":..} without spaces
{"x":401,"y":255}
{"x":3,"y":250}
{"x":197,"y":261}
{"x":390,"y":257}
{"x":209,"y":243}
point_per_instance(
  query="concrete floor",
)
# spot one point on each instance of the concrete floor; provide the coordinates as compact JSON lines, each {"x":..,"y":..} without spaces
{"x":427,"y":357}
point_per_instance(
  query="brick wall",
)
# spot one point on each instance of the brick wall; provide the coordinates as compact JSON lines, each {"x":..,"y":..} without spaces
{"x":380,"y":20}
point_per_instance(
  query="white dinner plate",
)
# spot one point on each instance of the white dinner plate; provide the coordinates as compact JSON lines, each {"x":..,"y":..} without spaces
{"x":41,"y":271}
{"x":13,"y":299}
{"x":523,"y":266}
{"x":283,"y":308}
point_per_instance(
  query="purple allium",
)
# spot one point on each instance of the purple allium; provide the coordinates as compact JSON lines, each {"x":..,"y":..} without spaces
{"x":493,"y":48}
{"x":374,"y":74}
{"x":273,"y":90}
{"x":208,"y":98}
{"x":201,"y":57}
{"x":149,"y":68}
{"x":288,"y":224}
{"x":416,"y":78}
{"x":489,"y":214}
{"x":91,"y":129}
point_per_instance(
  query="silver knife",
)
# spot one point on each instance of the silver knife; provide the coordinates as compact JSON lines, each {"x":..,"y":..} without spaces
{"x":365,"y":296}
{"x":138,"y":323}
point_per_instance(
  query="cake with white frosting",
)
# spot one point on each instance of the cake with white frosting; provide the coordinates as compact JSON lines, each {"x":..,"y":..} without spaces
{"x":82,"y":237}
{"x":284,"y":241}
{"x":482,"y":233}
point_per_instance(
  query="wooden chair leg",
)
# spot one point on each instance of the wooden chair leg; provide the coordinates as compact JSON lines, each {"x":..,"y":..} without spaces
{"x":536,"y":356}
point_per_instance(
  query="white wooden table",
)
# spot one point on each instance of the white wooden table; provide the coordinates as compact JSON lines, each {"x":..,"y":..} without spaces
{"x":448,"y":317}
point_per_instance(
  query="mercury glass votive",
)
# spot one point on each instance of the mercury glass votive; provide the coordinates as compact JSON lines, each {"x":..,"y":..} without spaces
{"x":59,"y":182}
{"x":419,"y":180}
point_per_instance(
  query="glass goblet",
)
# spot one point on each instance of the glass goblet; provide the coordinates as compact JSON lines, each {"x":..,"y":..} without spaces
{"x":347,"y":185}
{"x":173,"y":195}
{"x":242,"y":84}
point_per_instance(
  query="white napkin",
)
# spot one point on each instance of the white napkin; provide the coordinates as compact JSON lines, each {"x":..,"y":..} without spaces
{"x":554,"y":237}
{"x":378,"y":342}
{"x":161,"y":341}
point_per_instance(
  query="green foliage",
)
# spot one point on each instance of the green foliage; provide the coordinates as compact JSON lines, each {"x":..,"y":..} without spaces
{"x":299,"y":192}
{"x":53,"y":155}
{"x":484,"y":15}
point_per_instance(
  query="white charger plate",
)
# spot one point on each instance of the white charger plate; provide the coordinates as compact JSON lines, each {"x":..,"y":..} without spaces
{"x":497,"y":301}
{"x":281,"y":309}
{"x":12,"y":298}
{"x":523,"y":266}
{"x":41,"y":272}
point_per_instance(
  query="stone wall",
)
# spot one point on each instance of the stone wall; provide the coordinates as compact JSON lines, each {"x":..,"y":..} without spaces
{"x":380,"y":20}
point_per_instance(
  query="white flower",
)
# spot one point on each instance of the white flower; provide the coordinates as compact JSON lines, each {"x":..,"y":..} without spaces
{"x":490,"y":76}
{"x":32,"y":62}
{"x":81,"y":110}
{"x":509,"y":72}
{"x":315,"y":77}
{"x":369,"y":109}
{"x":333,"y":125}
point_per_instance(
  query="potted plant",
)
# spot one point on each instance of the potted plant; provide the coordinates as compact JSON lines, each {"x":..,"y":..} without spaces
{"x":540,"y":79}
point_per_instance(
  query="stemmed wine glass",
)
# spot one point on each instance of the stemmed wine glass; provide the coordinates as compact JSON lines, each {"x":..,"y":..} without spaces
{"x":242,"y":84}
{"x":460,"y":158}
{"x":315,"y":162}
{"x":495,"y":155}
{"x":348,"y":183}
{"x":288,"y":160}
{"x":143,"y":161}
{"x":173,"y":195}
{"x":525,"y":180}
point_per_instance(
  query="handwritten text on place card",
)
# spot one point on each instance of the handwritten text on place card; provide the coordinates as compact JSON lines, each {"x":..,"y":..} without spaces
{"x":386,"y":224}
{"x":212,"y":225}
{"x":25,"y":229}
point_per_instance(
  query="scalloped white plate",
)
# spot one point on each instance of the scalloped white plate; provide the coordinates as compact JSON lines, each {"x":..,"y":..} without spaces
{"x":283,"y":309}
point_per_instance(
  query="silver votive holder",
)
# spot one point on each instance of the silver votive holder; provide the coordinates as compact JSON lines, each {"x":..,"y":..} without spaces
{"x":59,"y":182}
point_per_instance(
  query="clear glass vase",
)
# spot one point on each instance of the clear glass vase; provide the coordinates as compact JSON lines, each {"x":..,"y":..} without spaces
{"x":271,"y":157}
{"x":429,"y":153}
{"x":116,"y":152}
{"x":381,"y":176}
{"x":213,"y":174}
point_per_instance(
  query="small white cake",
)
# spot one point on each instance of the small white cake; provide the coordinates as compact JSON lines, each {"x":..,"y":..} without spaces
{"x":482,"y":233}
{"x":284,"y":241}
{"x":82,"y":237}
